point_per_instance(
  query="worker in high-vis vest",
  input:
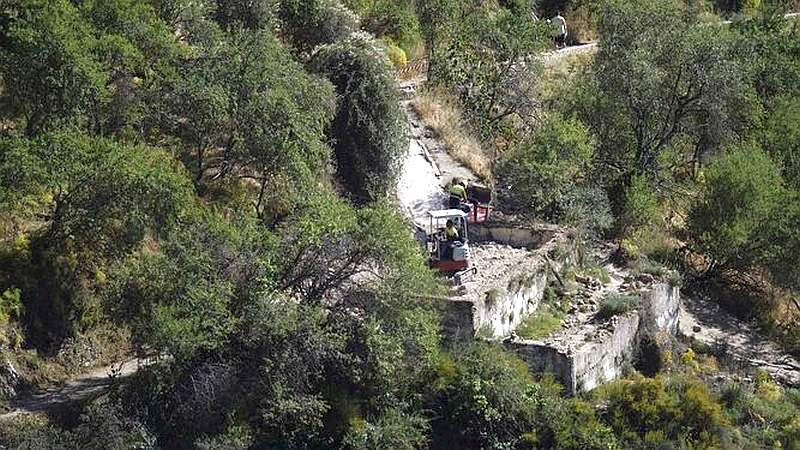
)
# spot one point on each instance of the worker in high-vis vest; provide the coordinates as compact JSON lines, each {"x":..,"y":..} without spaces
{"x":458,"y":193}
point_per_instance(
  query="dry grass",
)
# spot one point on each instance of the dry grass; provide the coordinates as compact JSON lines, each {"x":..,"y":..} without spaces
{"x":441,"y":113}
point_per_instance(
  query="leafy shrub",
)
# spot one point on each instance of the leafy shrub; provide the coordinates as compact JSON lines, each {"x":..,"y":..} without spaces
{"x":538,"y":173}
{"x":742,"y":215}
{"x":647,"y":412}
{"x":782,"y":137}
{"x":10,"y":305}
{"x":487,"y":401}
{"x":393,"y":430}
{"x":369,"y":128}
{"x":540,"y":324}
{"x":397,"y":55}
{"x":316,"y":22}
{"x":588,"y":208}
{"x":393,"y":19}
{"x":617,"y":304}
{"x":640,"y":206}
{"x":766,"y":413}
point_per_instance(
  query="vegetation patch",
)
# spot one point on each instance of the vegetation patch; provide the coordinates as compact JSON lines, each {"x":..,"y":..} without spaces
{"x":441,"y":112}
{"x":617,"y":304}
{"x":540,"y":324}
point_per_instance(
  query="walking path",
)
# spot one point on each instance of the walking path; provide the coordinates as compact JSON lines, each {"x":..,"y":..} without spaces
{"x":85,"y":385}
{"x":730,"y":338}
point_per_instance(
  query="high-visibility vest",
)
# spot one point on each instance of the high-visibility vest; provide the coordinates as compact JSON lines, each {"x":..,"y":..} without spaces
{"x":451,"y":232}
{"x":457,"y":189}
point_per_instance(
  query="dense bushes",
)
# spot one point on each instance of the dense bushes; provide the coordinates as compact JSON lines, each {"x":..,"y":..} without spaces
{"x":745,"y":217}
{"x":648,"y":412}
{"x":539,"y":172}
{"x":368,"y":132}
{"x":318,"y":22}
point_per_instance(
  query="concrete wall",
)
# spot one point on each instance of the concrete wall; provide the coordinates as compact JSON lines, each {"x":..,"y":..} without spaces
{"x":502,"y":310}
{"x":659,"y":307}
{"x":497,"y":316}
{"x":603,"y":360}
{"x":515,"y":236}
{"x":499,"y":312}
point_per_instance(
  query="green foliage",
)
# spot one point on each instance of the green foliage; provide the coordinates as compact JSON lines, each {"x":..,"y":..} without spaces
{"x":488,"y":402}
{"x":96,"y":202}
{"x":48,"y":60}
{"x":395,"y":20}
{"x":368,"y":130}
{"x":766,"y":413}
{"x":770,"y":46}
{"x":397,"y":55}
{"x":782,"y":137}
{"x":249,"y":14}
{"x":617,"y":304}
{"x":10,"y":305}
{"x":317,"y":22}
{"x":640,"y":207}
{"x":478,"y":56}
{"x":246,"y":98}
{"x":669,"y":76}
{"x":540,"y":324}
{"x":538,"y":173}
{"x":652,"y":411}
{"x":393,"y":430}
{"x":102,"y":426}
{"x":740,"y":219}
{"x":587,"y":208}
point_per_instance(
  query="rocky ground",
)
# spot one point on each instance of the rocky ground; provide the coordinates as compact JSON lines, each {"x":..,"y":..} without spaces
{"x":497,"y":264}
{"x":735,"y":342}
{"x":84,"y":385}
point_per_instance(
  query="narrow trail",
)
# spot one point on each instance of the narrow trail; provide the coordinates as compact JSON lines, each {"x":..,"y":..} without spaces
{"x":82,"y":387}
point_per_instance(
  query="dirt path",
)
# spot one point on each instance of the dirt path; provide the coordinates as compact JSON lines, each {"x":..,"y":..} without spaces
{"x":82,"y":387}
{"x":744,"y":345}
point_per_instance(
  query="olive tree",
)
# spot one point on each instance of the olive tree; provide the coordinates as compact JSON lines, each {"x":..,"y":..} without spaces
{"x":369,"y":129}
{"x":745,"y":216}
{"x":671,"y":76}
{"x":537,"y":173}
{"x":48,"y":68}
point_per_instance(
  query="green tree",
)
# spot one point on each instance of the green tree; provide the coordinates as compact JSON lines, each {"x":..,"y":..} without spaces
{"x":537,"y":173}
{"x":91,"y":202}
{"x":369,"y":128}
{"x":246,"y":109}
{"x":781,"y":136}
{"x":393,"y":430}
{"x":48,"y":66}
{"x":316,"y":22}
{"x":484,"y":59}
{"x":487,"y":400}
{"x":671,"y":76}
{"x":250,"y":14}
{"x":739,"y":206}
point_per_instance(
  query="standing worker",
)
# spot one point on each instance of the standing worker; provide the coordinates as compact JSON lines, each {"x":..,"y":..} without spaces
{"x":458,"y":193}
{"x":559,"y":25}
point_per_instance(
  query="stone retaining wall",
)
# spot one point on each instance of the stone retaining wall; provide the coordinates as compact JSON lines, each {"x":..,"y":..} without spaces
{"x":515,"y":236}
{"x":584,"y":368}
{"x":498,"y":312}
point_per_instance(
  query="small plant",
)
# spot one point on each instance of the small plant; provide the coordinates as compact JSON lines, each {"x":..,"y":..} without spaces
{"x":598,"y":272}
{"x":10,"y":305}
{"x":617,"y":304}
{"x":644,"y":265}
{"x":688,"y":357}
{"x":543,"y":322}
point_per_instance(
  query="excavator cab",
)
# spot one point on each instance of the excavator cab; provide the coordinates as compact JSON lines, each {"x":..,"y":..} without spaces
{"x":448,"y":255}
